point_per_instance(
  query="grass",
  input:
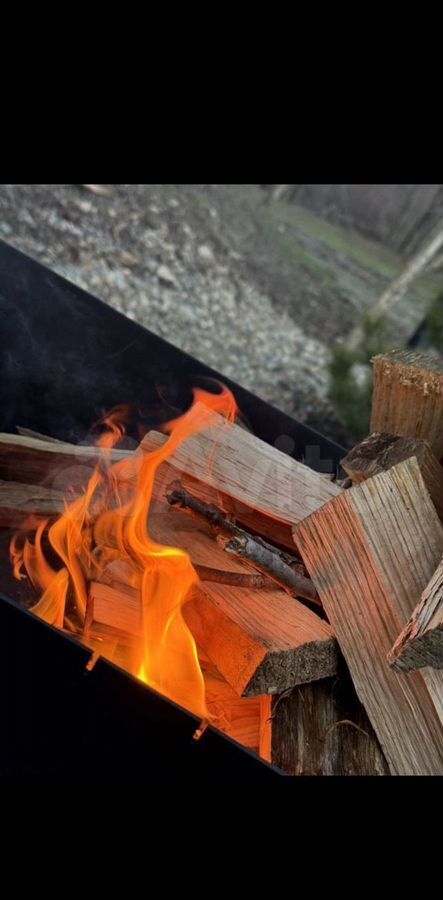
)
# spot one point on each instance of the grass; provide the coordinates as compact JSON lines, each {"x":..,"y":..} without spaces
{"x":350,"y":397}
{"x":368,"y":254}
{"x":365,"y":252}
{"x":434,"y":324}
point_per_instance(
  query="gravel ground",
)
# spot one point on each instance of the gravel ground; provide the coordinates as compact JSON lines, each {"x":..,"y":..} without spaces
{"x":259,"y":292}
{"x":161,"y":256}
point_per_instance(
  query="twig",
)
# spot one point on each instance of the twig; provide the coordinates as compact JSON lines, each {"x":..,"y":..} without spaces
{"x":264,"y":559}
{"x":254,"y":550}
{"x":236,"y":579}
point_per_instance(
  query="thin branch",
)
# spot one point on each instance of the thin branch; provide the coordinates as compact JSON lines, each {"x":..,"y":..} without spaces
{"x":253,"y":550}
{"x":235,"y":579}
{"x":266,"y":560}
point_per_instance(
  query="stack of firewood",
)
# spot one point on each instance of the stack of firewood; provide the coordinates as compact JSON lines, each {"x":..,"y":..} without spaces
{"x":318,"y":615}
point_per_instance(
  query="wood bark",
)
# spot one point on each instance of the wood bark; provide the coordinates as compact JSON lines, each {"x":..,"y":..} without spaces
{"x":321,"y":728}
{"x":379,"y":452}
{"x":19,"y":501}
{"x":268,"y":559}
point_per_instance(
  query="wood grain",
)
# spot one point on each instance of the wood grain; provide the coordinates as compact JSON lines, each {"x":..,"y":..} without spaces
{"x":18,"y":501}
{"x":408,"y":397}
{"x":53,"y":464}
{"x":322,"y":729}
{"x":238,"y":717}
{"x":370,"y":552}
{"x":264,"y":489}
{"x":380,"y":451}
{"x":421,"y":641}
{"x":261,"y":641}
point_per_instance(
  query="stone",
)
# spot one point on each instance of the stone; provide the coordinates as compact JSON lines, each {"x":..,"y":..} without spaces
{"x":205,"y":253}
{"x":165,"y":275}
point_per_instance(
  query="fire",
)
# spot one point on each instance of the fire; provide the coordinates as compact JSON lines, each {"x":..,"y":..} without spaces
{"x":109,"y":521}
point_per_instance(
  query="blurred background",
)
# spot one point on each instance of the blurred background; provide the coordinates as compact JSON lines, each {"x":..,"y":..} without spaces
{"x":287,"y":289}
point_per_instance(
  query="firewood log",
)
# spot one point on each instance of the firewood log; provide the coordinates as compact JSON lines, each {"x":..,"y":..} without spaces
{"x":58,"y":465}
{"x":261,"y":641}
{"x":408,"y":397}
{"x":379,"y":452}
{"x":18,"y":501}
{"x":29,"y":432}
{"x":370,"y":553}
{"x":264,"y":489}
{"x":244,"y":719}
{"x":321,"y":728}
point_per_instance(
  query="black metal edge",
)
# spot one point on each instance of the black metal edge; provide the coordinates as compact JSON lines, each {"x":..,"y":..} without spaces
{"x":266,"y":419}
{"x":59,"y":717}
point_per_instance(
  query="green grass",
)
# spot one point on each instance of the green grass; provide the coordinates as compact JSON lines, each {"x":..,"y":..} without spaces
{"x":297,"y":254}
{"x":434,"y":324}
{"x":352,"y":400}
{"x":365,"y":252}
{"x":368,"y":254}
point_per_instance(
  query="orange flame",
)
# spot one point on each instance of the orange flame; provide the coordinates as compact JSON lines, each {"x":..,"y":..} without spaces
{"x":111,"y":518}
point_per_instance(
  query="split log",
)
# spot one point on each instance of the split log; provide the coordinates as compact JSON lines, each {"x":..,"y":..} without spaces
{"x":421,"y":642}
{"x":261,"y":641}
{"x":115,"y":605}
{"x":408,"y":397}
{"x":322,"y":729}
{"x":379,"y":452}
{"x":263,"y":489}
{"x":290,"y":643}
{"x":370,"y":552}
{"x":18,"y":501}
{"x":244,"y":719}
{"x":260,"y":647}
{"x":58,"y":465}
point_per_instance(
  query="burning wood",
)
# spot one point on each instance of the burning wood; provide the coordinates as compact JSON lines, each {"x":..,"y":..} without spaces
{"x":259,"y":646}
{"x":157,"y":577}
{"x":19,"y":501}
{"x":283,"y":569}
{"x":261,"y":641}
{"x":260,"y":487}
{"x":43,"y":461}
{"x":244,"y":719}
